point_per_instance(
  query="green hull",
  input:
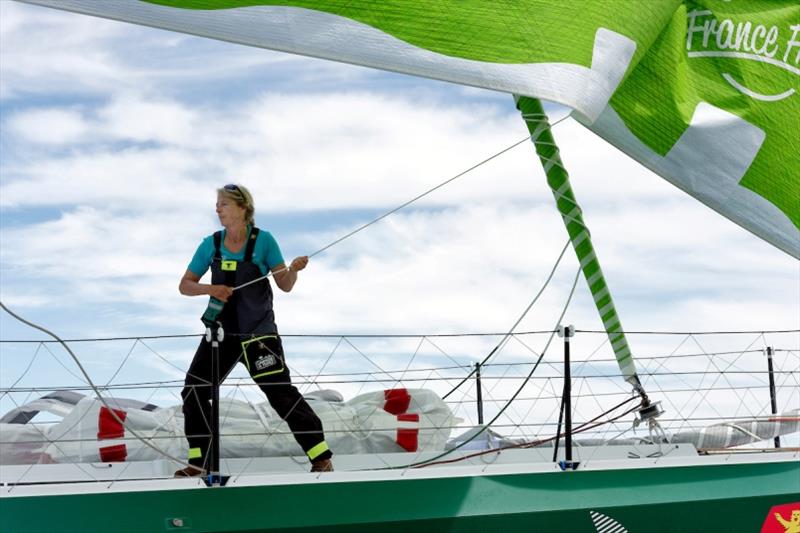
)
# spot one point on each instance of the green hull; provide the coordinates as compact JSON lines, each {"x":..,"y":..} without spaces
{"x":729,"y":497}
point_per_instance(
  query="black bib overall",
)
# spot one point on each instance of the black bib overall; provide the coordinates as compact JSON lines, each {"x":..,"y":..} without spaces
{"x":251,"y":337}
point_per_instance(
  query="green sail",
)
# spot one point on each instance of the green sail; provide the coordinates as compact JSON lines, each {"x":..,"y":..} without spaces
{"x":714,"y":108}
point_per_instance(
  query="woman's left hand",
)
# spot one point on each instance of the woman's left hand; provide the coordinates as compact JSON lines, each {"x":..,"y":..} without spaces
{"x":299,"y":263}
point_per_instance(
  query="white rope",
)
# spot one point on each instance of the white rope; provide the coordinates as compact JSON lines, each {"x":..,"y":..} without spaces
{"x":404,"y":205}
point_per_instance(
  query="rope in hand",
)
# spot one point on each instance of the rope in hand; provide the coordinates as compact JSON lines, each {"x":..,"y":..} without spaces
{"x":403,"y":205}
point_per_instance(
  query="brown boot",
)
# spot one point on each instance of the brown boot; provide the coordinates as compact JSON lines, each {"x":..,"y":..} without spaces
{"x":324,"y":465}
{"x":190,"y":471}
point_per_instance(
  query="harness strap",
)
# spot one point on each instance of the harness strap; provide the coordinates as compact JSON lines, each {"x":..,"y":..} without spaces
{"x":217,"y":244}
{"x":251,"y":244}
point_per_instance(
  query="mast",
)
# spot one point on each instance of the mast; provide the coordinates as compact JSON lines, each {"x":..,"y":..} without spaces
{"x":558,"y":179}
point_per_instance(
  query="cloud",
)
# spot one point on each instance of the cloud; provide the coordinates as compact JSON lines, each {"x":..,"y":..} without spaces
{"x":448,"y":261}
{"x":302,"y":155}
{"x":46,"y":50}
{"x":50,"y":126}
{"x":36,"y":54}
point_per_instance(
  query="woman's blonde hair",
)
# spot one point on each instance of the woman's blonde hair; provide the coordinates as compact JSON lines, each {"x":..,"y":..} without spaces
{"x":242,"y":197}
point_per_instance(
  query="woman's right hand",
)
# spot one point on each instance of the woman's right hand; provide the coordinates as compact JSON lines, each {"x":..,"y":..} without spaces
{"x":220,"y":292}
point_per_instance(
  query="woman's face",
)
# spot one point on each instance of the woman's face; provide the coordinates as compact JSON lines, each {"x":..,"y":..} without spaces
{"x":228,"y":211}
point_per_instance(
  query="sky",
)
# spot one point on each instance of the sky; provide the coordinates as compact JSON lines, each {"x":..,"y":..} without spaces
{"x":114,"y":138}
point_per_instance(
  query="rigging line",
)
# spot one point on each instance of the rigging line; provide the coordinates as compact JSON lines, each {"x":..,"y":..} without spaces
{"x":605,"y":440}
{"x":49,"y":441}
{"x":532,"y":444}
{"x":297,"y":335}
{"x":103,"y":339}
{"x":441,"y":377}
{"x":122,"y":364}
{"x":534,"y":402}
{"x":787,"y":373}
{"x":62,"y":365}
{"x":525,"y":312}
{"x":749,"y":332}
{"x":498,"y":381}
{"x":552,"y":366}
{"x":344,"y":422}
{"x":722,"y":373}
{"x":409,"y":335}
{"x":403,"y":205}
{"x":514,"y":396}
{"x":395,"y":382}
{"x":526,"y":380}
{"x":365,"y":356}
{"x":647,"y":380}
{"x":379,"y":405}
{"x":94,"y":387}
{"x":185,"y":372}
{"x":24,"y":372}
{"x":706,"y":372}
{"x":165,"y":424}
{"x":266,"y":433}
{"x":583,"y":425}
{"x":311,"y":383}
{"x":745,"y":388}
{"x":420,"y":196}
{"x":585,"y":362}
{"x":581,"y":362}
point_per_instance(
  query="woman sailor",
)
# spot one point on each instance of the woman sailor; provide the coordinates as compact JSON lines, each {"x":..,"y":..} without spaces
{"x":236,"y":255}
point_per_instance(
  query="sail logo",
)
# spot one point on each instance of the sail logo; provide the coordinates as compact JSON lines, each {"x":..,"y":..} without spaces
{"x":783,"y":519}
{"x":708,"y":36}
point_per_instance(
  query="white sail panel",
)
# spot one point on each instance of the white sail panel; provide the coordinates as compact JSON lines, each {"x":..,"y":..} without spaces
{"x":580,"y":64}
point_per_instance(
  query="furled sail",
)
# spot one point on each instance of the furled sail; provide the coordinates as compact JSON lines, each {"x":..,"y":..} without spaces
{"x":703,"y":92}
{"x":388,"y":421}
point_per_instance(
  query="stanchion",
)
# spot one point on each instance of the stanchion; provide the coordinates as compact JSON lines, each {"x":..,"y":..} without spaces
{"x":479,"y":392}
{"x":772,"y":394}
{"x":214,"y":334}
{"x":567,"y":332}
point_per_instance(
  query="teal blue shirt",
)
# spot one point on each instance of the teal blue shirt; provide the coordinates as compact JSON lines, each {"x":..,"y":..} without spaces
{"x":266,"y":254}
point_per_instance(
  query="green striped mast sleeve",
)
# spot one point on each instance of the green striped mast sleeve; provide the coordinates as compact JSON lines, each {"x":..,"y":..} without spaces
{"x":558,"y":180}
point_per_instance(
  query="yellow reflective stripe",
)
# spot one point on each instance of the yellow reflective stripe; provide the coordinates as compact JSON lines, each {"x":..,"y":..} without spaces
{"x":317,"y":450}
{"x":248,"y":341}
{"x":229,"y":265}
{"x":195,"y":453}
{"x":267,"y":373}
{"x":244,"y":352}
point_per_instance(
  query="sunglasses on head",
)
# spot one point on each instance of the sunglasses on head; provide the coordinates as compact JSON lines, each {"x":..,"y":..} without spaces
{"x":232,"y":187}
